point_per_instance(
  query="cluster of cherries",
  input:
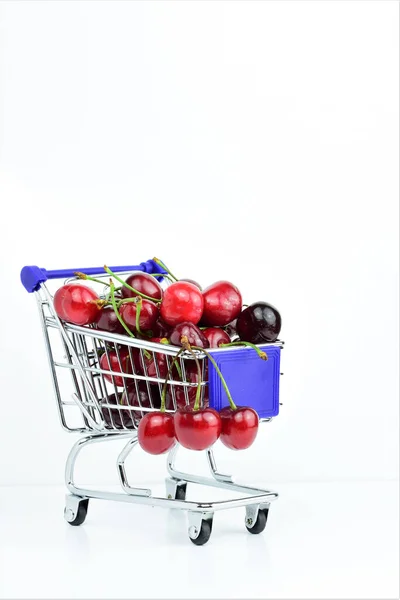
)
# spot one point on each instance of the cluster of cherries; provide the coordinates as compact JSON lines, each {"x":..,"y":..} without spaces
{"x":182,"y":315}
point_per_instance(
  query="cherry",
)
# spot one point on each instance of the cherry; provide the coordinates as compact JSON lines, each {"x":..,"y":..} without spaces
{"x":143,"y":400}
{"x":156,"y":434}
{"x":231,"y":330}
{"x":161,"y":329}
{"x":76,"y":304}
{"x":148,"y":314}
{"x":108,"y":321}
{"x":222,"y":303}
{"x":194,"y":334}
{"x":197,"y":429}
{"x":151,"y":359}
{"x":260,"y":322}
{"x":193,"y":282}
{"x":190,"y":376}
{"x":114,"y":418}
{"x":182,"y":301}
{"x":239,"y":427}
{"x":143,"y":283}
{"x":112,"y":358}
{"x":215,"y":337}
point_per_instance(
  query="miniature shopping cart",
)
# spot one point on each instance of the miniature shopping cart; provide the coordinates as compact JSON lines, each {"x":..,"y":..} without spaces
{"x":87,"y":401}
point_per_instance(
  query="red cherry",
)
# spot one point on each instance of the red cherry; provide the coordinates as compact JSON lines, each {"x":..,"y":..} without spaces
{"x":156,"y":433}
{"x":182,"y":301}
{"x":239,"y":427}
{"x":216,"y":336}
{"x":144,"y":283}
{"x":193,"y":282}
{"x":190,"y":376}
{"x":222,"y":303}
{"x":148,"y":314}
{"x":75,"y":303}
{"x":197,"y":429}
{"x":108,"y":321}
{"x":112,"y":358}
{"x":194,"y":334}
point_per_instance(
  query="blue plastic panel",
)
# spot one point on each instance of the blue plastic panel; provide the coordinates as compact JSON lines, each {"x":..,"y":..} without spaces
{"x":251,"y":380}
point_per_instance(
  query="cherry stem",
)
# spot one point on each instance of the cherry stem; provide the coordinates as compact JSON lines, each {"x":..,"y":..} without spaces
{"x":163,"y":266}
{"x":260,"y":353}
{"x":210,"y":358}
{"x":84,"y":276}
{"x":115,"y":307}
{"x":187,"y":346}
{"x":157,"y":300}
{"x":138,"y":311}
{"x":164,"y":390}
{"x":162,"y":275}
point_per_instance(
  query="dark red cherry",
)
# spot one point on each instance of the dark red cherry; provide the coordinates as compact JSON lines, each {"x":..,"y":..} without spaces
{"x":161,"y":329}
{"x":194,"y":334}
{"x":108,"y":321}
{"x":222,"y":303}
{"x":143,"y":283}
{"x":141,"y":400}
{"x":118,"y":362}
{"x":260,"y":322}
{"x":115,"y":418}
{"x":148,"y":314}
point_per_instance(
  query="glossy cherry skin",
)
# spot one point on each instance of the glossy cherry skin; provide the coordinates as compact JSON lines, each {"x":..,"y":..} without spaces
{"x":192,"y":332}
{"x":239,"y":427}
{"x":75,"y":303}
{"x":197,"y":429}
{"x":115,"y":366}
{"x":114,"y":418}
{"x":231,"y":330}
{"x":141,"y":401}
{"x":108,"y":321}
{"x":157,"y":358}
{"x":156,"y":433}
{"x":260,"y":322}
{"x":161,"y":329}
{"x":148,"y":314}
{"x":144,"y":283}
{"x":182,"y":301}
{"x":216,"y":336}
{"x":222,"y":303}
{"x":193,"y":282}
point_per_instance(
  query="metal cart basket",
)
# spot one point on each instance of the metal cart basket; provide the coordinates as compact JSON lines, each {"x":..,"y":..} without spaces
{"x":87,"y":400}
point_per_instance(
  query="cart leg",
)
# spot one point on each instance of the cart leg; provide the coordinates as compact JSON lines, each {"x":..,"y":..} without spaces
{"x":213,"y":468}
{"x":122,"y":473}
{"x":200,"y":527}
{"x":176,"y":489}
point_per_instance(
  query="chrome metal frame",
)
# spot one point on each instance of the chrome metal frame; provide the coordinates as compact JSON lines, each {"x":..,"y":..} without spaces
{"x":91,"y":384}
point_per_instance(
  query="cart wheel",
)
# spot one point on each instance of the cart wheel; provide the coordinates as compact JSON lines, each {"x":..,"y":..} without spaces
{"x":260,"y":523}
{"x":79,"y":517}
{"x":203,"y":536}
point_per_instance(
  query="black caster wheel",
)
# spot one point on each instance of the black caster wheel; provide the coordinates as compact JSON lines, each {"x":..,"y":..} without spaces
{"x":78,"y":517}
{"x":203,"y":536}
{"x":260,"y":523}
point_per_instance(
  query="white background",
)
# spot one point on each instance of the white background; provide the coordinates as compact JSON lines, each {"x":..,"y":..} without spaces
{"x":250,"y":141}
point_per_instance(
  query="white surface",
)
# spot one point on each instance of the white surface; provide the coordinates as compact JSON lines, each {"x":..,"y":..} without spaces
{"x":321,"y":541}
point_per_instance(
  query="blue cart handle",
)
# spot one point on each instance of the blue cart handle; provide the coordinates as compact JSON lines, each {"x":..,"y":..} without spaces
{"x":32,"y":277}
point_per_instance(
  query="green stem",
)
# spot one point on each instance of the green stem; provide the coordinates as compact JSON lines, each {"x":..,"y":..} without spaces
{"x":138,"y":311}
{"x":163,"y":266}
{"x":162,"y":275}
{"x":231,"y":402}
{"x":156,"y":300}
{"x":198,"y":390}
{"x":260,"y":353}
{"x":87,"y":277}
{"x":115,"y":307}
{"x":164,"y":390}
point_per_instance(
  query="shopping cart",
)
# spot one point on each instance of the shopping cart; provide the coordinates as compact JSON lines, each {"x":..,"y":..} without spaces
{"x":88,"y":402}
